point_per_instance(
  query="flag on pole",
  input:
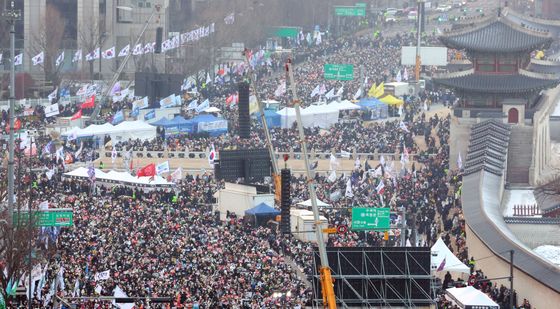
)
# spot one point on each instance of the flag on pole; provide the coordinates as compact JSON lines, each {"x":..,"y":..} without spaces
{"x":322,"y":90}
{"x":118,"y":117}
{"x":38,"y":59}
{"x":399,"y":76}
{"x":212,"y":156}
{"x":162,"y":168}
{"x":60,"y":59}
{"x":332,"y":176}
{"x":380,"y":90}
{"x":330,"y":94}
{"x":192,"y":105}
{"x":109,"y":53}
{"x":371,"y":91}
{"x":380,"y":187}
{"x":358,"y":94}
{"x":53,"y":94}
{"x":113,"y":155}
{"x":77,"y":56}
{"x":124,"y":51}
{"x":459,"y":161}
{"x":203,"y":106}
{"x":138,"y":50}
{"x":315,"y":91}
{"x":333,"y":162}
{"x":281,"y":89}
{"x":441,"y":265}
{"x":403,"y":127}
{"x":89,"y":103}
{"x":52,"y":110}
{"x":340,"y":91}
{"x":148,"y":170}
{"x":18,"y":59}
{"x":349,"y":192}
{"x":177,"y":174}
{"x":404,"y":156}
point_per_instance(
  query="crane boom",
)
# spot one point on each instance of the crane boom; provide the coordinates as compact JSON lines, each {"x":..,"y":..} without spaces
{"x":329,"y":298}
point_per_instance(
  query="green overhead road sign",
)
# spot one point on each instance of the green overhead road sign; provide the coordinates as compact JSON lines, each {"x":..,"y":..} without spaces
{"x":51,"y":217}
{"x":350,"y":11}
{"x":371,"y":219}
{"x":339,"y":71}
{"x":286,"y":32}
{"x":361,"y":5}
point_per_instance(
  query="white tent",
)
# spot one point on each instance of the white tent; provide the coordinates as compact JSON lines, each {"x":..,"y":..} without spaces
{"x":343,"y":105}
{"x":440,"y":252}
{"x":312,"y":116}
{"x":470,"y":297}
{"x":119,"y":177}
{"x":319,"y":203}
{"x":212,"y":109}
{"x":123,"y":131}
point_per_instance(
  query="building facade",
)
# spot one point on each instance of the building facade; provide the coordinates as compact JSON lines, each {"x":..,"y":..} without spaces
{"x":548,"y":9}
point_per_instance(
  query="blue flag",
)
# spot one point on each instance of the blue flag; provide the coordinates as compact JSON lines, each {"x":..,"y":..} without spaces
{"x":150,"y":115}
{"x":118,"y":118}
{"x":134,"y":112}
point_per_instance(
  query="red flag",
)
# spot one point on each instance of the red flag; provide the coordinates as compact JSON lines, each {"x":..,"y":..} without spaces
{"x":89,"y":103}
{"x":221,"y":72}
{"x":77,"y":115}
{"x":148,"y":170}
{"x":229,"y":99}
{"x":17,"y":125}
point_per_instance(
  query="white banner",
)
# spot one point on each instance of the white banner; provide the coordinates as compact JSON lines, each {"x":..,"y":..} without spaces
{"x":102,"y":276}
{"x":140,"y":104}
{"x":52,"y":110}
{"x":213,"y":126}
{"x":170,"y":101}
{"x":162,"y":168}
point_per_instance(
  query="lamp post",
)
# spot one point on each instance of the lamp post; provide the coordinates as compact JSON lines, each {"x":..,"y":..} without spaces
{"x":11,"y":15}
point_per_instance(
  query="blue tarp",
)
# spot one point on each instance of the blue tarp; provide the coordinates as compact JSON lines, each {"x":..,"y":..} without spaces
{"x":262,"y":210}
{"x":376,"y":108}
{"x":272,"y":118}
{"x":161,"y":122}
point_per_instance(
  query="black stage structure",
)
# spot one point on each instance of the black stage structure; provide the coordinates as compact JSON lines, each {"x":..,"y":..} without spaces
{"x":368,"y":277}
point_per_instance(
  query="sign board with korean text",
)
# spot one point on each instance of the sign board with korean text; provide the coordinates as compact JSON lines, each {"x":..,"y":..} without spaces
{"x":339,"y":71}
{"x":58,"y":217}
{"x":371,"y":218}
{"x":350,"y":11}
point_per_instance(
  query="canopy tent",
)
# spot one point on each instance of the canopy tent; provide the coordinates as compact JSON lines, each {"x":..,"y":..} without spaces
{"x":391,"y":100}
{"x":212,"y":110}
{"x":343,"y":105}
{"x":123,"y":131}
{"x":313,"y":116}
{"x":120,"y":178}
{"x":178,"y":124}
{"x":261,"y":214}
{"x":162,"y":122}
{"x":319,"y":203}
{"x":440,"y":252}
{"x":209,"y":123}
{"x":271,"y":117}
{"x":469,"y":297}
{"x":376,"y":108}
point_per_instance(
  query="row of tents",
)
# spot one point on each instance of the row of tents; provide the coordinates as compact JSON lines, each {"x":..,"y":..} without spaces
{"x":211,"y":124}
{"x":326,"y":115}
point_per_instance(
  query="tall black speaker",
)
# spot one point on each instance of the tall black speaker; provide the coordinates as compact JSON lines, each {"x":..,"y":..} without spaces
{"x":244,"y":118}
{"x":159,"y":39}
{"x":286,"y":201}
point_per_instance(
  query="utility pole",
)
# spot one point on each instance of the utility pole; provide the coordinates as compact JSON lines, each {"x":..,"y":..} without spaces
{"x":511,"y":278}
{"x":11,"y":15}
{"x":419,"y":16}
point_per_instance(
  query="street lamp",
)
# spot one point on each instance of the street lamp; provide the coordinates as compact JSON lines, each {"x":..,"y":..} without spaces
{"x":11,"y":15}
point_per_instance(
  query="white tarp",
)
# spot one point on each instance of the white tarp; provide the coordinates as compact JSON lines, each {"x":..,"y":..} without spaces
{"x":313,"y":116}
{"x":121,"y":177}
{"x":319,"y":203}
{"x":343,"y":105}
{"x":469,"y":296}
{"x":123,"y":131}
{"x":452,"y":263}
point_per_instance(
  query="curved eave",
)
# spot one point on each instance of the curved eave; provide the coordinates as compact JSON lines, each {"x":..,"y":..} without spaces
{"x":450,"y":42}
{"x":495,"y":84}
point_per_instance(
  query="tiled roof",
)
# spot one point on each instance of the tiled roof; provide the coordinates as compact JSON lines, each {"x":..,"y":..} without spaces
{"x":497,"y":36}
{"x":494,"y":83}
{"x":488,"y":147}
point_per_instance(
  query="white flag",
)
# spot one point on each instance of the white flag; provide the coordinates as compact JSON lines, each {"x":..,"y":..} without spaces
{"x":203,"y":106}
{"x":281,"y":89}
{"x":138,"y":50}
{"x":162,"y":168}
{"x":344,"y":154}
{"x":322,"y":89}
{"x":459,"y":161}
{"x":425,"y":106}
{"x":358,"y":94}
{"x":124,"y":52}
{"x":382,"y":160}
{"x":349,"y":189}
{"x":230,"y":19}
{"x":177,"y":174}
{"x":53,"y":94}
{"x":330,"y":94}
{"x":208,"y":79}
{"x":340,"y":91}
{"x":113,"y":155}
{"x":77,"y":56}
{"x":403,"y":127}
{"x":315,"y":91}
{"x":333,"y":162}
{"x":193,"y":104}
{"x":18,"y":59}
{"x":52,"y":110}
{"x":60,"y":59}
{"x":332,"y":176}
{"x":38,"y":59}
{"x":0,"y":57}
{"x":109,"y":53}
{"x":399,"y":76}
{"x":119,"y":293}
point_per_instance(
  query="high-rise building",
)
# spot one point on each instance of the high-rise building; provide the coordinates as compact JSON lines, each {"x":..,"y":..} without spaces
{"x":548,"y":9}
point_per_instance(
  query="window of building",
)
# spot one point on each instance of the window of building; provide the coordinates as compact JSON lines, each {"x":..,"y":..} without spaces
{"x":486,"y":64}
{"x":507,"y":63}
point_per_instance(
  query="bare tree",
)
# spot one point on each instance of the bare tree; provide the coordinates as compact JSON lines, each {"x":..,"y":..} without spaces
{"x":49,"y":41}
{"x":89,"y":37}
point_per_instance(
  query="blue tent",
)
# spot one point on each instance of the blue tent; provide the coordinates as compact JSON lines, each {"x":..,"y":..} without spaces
{"x":209,"y":123}
{"x":261,"y":214}
{"x":161,"y":122}
{"x":375,"y":108}
{"x":272,"y":118}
